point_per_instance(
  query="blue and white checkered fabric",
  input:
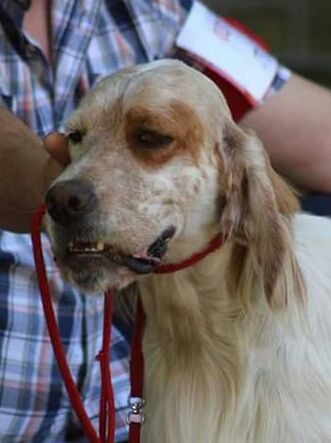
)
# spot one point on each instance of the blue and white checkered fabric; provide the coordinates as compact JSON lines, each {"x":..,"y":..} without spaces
{"x":91,"y":39}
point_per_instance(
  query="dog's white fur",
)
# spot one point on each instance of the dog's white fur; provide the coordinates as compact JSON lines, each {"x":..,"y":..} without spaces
{"x":238,"y":347}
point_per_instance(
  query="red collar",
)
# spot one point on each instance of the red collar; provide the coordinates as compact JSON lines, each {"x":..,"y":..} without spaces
{"x":212,"y":246}
{"x":107,"y":409}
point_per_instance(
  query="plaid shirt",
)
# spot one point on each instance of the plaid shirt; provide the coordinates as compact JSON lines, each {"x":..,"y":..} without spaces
{"x":91,"y":38}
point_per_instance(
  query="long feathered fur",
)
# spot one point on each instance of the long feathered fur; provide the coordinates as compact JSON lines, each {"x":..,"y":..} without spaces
{"x":238,"y":347}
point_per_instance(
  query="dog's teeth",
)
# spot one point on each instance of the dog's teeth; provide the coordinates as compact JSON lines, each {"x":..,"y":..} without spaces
{"x":87,"y":247}
{"x":100,"y":246}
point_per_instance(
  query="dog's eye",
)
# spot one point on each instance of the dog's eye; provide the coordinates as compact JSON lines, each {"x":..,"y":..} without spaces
{"x":152,"y":139}
{"x":75,"y":136}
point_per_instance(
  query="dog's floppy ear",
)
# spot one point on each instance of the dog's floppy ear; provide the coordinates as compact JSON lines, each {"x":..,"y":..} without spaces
{"x":256,"y":209}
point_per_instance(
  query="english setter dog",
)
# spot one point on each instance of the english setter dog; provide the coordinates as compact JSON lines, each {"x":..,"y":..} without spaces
{"x":237,"y":347}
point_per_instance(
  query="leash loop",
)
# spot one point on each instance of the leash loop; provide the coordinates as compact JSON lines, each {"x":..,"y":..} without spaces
{"x":107,"y":409}
{"x":136,"y":416}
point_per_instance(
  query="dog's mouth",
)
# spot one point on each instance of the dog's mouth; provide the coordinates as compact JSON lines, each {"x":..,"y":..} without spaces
{"x":142,"y":262}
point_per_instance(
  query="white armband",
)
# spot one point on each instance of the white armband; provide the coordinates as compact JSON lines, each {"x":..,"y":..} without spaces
{"x":238,"y":57}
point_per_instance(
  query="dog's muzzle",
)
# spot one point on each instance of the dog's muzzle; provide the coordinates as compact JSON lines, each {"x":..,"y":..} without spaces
{"x":140,"y":263}
{"x":72,"y":202}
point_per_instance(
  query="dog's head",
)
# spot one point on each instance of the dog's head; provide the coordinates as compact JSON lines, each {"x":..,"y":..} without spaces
{"x":158,"y":168}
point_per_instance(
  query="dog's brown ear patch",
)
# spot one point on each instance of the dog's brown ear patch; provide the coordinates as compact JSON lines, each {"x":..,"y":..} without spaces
{"x":256,"y":212}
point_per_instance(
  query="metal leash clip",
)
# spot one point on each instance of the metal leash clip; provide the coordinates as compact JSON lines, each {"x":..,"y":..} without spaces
{"x":136,"y":415}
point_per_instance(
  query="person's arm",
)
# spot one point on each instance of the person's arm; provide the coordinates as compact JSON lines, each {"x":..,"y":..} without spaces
{"x":295,"y":126}
{"x":25,"y":171}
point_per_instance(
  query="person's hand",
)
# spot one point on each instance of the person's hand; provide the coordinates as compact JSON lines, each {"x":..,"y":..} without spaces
{"x":28,"y":165}
{"x":56,"y":144}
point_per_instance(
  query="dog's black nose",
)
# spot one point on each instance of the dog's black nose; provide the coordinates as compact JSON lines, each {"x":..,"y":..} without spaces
{"x":70,"y":201}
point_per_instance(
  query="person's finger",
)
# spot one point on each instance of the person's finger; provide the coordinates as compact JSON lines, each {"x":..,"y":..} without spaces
{"x":56,"y":144}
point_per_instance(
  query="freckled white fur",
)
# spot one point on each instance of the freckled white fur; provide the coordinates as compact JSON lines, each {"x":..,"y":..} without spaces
{"x":235,"y":352}
{"x":215,"y":375}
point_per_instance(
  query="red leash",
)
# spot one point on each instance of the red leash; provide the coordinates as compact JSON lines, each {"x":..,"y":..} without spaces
{"x":69,"y":382}
{"x":107,"y":407}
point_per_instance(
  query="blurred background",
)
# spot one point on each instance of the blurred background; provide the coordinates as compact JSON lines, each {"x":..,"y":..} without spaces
{"x":298,"y":32}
